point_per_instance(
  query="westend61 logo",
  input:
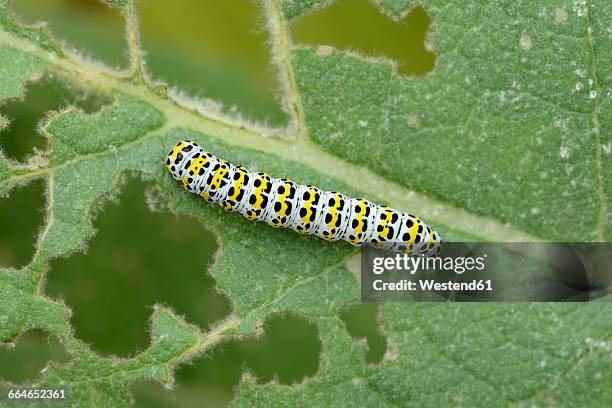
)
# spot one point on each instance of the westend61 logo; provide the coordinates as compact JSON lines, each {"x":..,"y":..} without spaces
{"x":479,"y":271}
{"x":412,"y":264}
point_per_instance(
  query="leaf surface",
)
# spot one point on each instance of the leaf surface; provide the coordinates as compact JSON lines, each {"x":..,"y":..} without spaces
{"x":497,"y":143}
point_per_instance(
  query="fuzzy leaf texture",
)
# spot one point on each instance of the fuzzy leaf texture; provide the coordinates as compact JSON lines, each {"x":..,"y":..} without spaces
{"x":496,"y":144}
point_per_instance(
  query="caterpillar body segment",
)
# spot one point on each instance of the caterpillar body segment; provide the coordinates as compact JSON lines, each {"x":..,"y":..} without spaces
{"x":305,"y":209}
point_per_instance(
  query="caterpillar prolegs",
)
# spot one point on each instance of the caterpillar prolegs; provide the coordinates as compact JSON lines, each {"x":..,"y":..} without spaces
{"x":302,"y":208}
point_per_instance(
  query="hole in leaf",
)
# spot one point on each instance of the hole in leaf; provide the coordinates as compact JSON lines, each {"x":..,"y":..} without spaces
{"x":90,"y":26}
{"x":213,"y":49}
{"x":288,"y":351}
{"x":361,"y":320}
{"x":21,"y":218}
{"x":21,"y":136}
{"x":23,"y":363}
{"x":136,"y":259}
{"x":361,"y":26}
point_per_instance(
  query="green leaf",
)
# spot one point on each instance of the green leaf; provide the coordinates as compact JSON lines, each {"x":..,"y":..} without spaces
{"x":36,"y":33}
{"x":16,"y":68}
{"x":497,"y":143}
{"x":23,"y":309}
{"x":497,"y":120}
{"x":93,"y":381}
{"x":4,"y":171}
{"x":118,"y":3}
{"x":73,"y":134}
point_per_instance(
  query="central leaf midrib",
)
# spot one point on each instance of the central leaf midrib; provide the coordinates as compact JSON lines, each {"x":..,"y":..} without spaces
{"x":302,"y":151}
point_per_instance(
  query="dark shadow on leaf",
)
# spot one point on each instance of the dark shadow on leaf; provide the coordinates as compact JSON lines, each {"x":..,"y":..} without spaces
{"x":23,"y":362}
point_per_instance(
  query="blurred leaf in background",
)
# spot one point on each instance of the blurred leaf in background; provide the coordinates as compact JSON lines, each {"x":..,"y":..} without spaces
{"x":214,"y":49}
{"x":23,"y":362}
{"x":21,"y":218}
{"x":359,"y":26}
{"x":89,"y":27}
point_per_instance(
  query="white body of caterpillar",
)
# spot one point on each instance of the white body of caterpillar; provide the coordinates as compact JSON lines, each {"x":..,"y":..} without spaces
{"x":302,"y":208}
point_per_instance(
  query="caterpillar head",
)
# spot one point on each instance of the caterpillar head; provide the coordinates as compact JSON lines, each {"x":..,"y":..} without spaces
{"x":177,"y":157}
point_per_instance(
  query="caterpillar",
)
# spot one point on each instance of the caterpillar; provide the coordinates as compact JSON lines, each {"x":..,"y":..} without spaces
{"x":305,"y":209}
